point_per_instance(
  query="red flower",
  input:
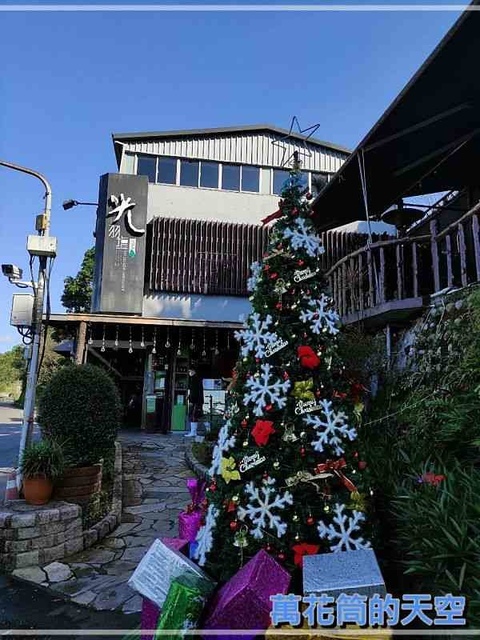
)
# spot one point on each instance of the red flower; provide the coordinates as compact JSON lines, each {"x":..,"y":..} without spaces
{"x":308,"y":357}
{"x":262,"y":431}
{"x":303,"y":549}
{"x":432,"y":479}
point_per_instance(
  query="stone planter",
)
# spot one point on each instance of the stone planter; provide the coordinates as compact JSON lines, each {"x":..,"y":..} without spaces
{"x":79,"y":484}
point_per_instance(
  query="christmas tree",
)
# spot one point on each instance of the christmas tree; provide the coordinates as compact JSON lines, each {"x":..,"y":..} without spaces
{"x":285,"y":473}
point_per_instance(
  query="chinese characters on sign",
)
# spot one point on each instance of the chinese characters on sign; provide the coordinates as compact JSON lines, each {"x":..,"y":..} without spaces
{"x":125,"y":247}
{"x":122,"y":206}
{"x":386,"y":611}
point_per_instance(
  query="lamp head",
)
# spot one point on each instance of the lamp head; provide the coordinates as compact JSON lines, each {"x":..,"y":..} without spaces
{"x":69,"y":204}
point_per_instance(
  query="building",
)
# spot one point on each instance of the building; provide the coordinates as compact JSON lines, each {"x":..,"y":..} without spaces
{"x":177,"y":229}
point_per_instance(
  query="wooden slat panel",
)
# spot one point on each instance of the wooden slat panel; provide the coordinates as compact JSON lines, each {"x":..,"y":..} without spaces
{"x":462,"y":249}
{"x":435,"y":260}
{"x":448,"y":243}
{"x":360,"y":283}
{"x":415,"y":269}
{"x":371,"y":294}
{"x":476,"y":244}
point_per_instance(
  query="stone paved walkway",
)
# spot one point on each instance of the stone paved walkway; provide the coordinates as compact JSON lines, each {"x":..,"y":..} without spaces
{"x":154,"y":492}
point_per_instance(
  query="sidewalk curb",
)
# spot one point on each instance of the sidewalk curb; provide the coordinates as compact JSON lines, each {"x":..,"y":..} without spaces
{"x":199,"y":469}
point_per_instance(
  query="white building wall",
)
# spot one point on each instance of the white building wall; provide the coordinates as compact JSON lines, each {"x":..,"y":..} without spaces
{"x":173,"y":201}
{"x":196,"y":307}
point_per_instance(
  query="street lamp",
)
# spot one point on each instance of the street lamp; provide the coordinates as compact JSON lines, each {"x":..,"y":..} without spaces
{"x":69,"y":204}
{"x":44,"y":247}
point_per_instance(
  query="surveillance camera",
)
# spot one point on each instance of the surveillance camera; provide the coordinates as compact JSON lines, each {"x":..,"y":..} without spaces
{"x":12,"y":272}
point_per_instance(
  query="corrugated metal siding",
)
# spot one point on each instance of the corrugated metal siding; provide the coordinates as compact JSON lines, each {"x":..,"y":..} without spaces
{"x":256,"y":149}
{"x":206,"y":257}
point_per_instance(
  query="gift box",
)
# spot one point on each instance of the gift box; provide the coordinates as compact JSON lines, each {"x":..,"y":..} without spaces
{"x":190,"y":520}
{"x":244,"y":601}
{"x":177,"y":544}
{"x":156,"y":570}
{"x":346,"y":572}
{"x":149,"y":618}
{"x":184,"y":605}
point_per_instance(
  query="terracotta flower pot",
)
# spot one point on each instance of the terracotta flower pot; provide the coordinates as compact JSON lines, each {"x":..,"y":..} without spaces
{"x":37,"y":490}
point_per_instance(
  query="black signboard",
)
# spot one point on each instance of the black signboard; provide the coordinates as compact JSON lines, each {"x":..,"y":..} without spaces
{"x":120,"y":244}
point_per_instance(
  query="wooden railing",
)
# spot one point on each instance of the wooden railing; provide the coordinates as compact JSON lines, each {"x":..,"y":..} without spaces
{"x":412,"y":267}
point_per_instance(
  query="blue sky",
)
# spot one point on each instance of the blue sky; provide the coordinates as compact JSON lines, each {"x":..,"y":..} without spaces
{"x":69,"y":80}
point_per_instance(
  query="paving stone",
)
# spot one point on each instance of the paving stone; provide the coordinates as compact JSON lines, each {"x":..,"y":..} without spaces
{"x":113,"y":597}
{"x":134,"y":605}
{"x":113,"y":543}
{"x":95,"y":556}
{"x":58,"y":572}
{"x":135,"y":554}
{"x":82,"y":570}
{"x":139,"y":541}
{"x":145,"y":508}
{"x":85,"y":598}
{"x":32,"y":574}
{"x":123,"y":529}
{"x":120,"y":568}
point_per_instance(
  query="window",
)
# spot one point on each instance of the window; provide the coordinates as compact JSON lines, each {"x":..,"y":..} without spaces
{"x":167,"y":170}
{"x":209,"y":175}
{"x":319,"y":180}
{"x":147,"y":166}
{"x":189,"y":173}
{"x":231,"y":177}
{"x":279,"y":177}
{"x":250,"y":178}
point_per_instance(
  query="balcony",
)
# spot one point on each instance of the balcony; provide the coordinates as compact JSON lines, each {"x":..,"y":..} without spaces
{"x":391,"y":281}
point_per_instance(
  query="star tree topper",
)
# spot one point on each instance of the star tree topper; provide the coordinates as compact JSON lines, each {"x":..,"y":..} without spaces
{"x":297,"y":138}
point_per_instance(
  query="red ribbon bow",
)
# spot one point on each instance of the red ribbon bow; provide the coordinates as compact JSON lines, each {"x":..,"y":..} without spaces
{"x":303,"y":549}
{"x":335,"y":466}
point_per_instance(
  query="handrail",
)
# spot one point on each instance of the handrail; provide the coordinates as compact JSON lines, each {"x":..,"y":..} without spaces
{"x":471,"y":212}
{"x":376,"y":245}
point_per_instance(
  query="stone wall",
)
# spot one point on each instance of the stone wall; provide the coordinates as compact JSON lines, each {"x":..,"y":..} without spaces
{"x":35,"y":535}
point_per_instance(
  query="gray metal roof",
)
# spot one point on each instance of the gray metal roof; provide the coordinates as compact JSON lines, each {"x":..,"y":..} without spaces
{"x":224,"y":130}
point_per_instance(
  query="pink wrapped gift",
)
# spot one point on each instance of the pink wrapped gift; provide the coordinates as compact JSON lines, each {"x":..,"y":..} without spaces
{"x":244,"y":601}
{"x":149,"y":618}
{"x":190,"y":520}
{"x":177,"y":544}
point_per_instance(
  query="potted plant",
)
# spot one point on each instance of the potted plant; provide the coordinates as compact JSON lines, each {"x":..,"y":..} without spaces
{"x":80,"y":406}
{"x":41,"y":463}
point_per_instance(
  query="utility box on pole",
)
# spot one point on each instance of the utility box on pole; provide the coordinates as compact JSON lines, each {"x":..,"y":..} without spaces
{"x":22,"y":310}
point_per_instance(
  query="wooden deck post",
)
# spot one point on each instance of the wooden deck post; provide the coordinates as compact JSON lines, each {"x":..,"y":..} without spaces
{"x":81,"y":343}
{"x":476,"y":244}
{"x":434,"y":249}
{"x":415,"y":269}
{"x":463,"y":255}
{"x":448,"y":243}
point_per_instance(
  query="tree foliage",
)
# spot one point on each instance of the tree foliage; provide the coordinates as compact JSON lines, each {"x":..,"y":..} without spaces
{"x":12,"y":369}
{"x":77,"y":292}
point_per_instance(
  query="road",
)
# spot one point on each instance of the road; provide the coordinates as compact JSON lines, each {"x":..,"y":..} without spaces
{"x":10,"y":431}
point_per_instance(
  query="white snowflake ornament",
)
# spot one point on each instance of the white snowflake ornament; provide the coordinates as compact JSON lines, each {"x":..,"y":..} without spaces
{"x":260,"y":509}
{"x":264,"y":389}
{"x":331,"y":429}
{"x":225,"y":442}
{"x":321,"y":315}
{"x":302,"y":236}
{"x":255,"y":270}
{"x":256,"y":336}
{"x":346,"y":528}
{"x":204,"y":537}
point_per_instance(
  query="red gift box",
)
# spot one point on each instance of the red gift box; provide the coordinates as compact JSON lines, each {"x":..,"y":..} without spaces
{"x":244,"y":601}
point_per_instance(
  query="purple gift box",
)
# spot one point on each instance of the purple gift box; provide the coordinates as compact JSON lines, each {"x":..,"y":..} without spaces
{"x":177,"y":544}
{"x":190,"y":521}
{"x":244,"y":601}
{"x":149,"y":618}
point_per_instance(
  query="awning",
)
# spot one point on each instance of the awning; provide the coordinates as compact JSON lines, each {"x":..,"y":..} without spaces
{"x":426,"y":142}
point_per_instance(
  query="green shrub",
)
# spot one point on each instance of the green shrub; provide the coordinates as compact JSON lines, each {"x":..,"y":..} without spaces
{"x":43,"y":458}
{"x":81,"y":407}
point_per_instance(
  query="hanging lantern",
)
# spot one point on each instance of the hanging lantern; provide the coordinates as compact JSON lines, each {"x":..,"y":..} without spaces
{"x":130,"y":346}
{"x":103,"y":340}
{"x":154,"y":341}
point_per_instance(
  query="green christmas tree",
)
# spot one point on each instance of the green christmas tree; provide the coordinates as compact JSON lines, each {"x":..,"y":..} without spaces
{"x":285,"y":473}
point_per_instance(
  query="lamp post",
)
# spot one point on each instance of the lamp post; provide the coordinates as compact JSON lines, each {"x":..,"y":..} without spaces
{"x":43,"y":228}
{"x":69,"y":204}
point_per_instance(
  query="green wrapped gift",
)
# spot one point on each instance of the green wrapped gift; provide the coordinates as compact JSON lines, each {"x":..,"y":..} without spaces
{"x":184,"y":605}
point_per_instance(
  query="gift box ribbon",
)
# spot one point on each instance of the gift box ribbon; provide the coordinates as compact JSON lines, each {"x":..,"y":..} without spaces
{"x":196,"y":489}
{"x":336,"y":466}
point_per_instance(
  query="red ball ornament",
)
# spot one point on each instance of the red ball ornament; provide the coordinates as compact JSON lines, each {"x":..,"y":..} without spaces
{"x":301,"y":263}
{"x":279,"y":306}
{"x":267,"y":267}
{"x":234,"y":525}
{"x":285,"y":375}
{"x":257,"y":360}
{"x":244,"y":423}
{"x":308,"y":196}
{"x":318,"y":393}
{"x":362,"y":465}
{"x":303,"y":451}
{"x":281,"y":556}
{"x":269,"y":407}
{"x":268,"y":548}
{"x":273,"y":276}
{"x":310,"y":520}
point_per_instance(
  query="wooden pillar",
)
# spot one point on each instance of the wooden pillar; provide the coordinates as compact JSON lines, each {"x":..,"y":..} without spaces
{"x":435,"y":257}
{"x":81,"y":343}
